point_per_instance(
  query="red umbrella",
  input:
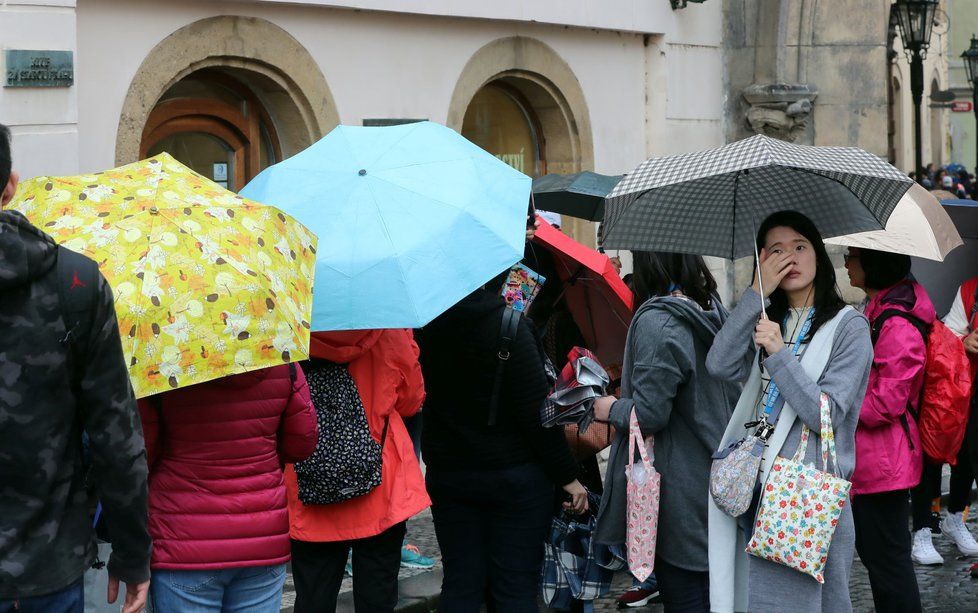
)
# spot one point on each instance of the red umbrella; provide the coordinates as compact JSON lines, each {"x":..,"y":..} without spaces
{"x":599,"y":301}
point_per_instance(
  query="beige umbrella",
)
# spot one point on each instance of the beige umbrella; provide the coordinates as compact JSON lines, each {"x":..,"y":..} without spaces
{"x":919,"y":226}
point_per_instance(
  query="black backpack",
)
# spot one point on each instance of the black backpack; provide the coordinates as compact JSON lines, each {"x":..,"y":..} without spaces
{"x":77,"y":280}
{"x":347,"y":462}
{"x":508,"y":329}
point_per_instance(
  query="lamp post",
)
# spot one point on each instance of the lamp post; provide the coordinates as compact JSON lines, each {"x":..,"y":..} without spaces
{"x":970,"y":57}
{"x":915,"y":19}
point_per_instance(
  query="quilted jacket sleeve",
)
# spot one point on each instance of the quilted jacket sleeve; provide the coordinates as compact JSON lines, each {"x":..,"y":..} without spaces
{"x":298,"y":433}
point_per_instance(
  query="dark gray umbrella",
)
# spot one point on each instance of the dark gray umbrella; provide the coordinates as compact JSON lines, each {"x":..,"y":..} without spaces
{"x":578,"y":195}
{"x":711,"y":202}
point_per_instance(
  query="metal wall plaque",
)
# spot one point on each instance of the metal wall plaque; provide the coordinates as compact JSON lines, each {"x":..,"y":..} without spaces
{"x":384,"y":122}
{"x":35,"y":68}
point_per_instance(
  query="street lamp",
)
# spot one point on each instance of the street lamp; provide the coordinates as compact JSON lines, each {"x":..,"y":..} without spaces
{"x":914,"y":19}
{"x":970,"y":57}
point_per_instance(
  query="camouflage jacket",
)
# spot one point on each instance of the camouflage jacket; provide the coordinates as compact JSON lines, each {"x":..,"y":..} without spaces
{"x":46,"y":535}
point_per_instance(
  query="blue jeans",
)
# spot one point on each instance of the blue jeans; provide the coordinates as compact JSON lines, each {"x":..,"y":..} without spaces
{"x":69,"y":600}
{"x":253,"y":590}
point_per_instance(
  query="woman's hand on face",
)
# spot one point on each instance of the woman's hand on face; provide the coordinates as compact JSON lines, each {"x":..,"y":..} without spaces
{"x":602,"y":407}
{"x":578,"y":493}
{"x":774,"y":267}
{"x":767,"y":334}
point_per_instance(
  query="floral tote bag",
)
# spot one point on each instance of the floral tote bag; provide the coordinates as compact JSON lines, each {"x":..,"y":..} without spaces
{"x":642,"y":506}
{"x":800,"y":506}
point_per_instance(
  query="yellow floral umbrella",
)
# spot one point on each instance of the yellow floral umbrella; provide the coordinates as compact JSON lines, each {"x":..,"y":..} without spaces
{"x":206,"y":283}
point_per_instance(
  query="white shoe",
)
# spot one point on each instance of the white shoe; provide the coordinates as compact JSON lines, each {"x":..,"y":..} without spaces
{"x":923,"y":548}
{"x":952,"y":526}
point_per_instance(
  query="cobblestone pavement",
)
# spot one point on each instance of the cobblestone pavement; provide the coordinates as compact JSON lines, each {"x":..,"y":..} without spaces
{"x":944,"y":589}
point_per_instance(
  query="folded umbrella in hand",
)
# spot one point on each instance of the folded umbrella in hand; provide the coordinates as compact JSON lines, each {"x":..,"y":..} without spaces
{"x":581,"y":381}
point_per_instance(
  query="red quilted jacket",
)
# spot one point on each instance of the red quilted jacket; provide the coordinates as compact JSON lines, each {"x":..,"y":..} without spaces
{"x":216,"y":451}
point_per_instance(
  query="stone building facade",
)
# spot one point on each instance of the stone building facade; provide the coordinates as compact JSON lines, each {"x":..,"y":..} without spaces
{"x":827,"y":72}
{"x":230,"y":86}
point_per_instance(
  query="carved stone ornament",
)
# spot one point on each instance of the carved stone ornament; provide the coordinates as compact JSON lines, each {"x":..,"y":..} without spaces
{"x":681,"y":4}
{"x":779,"y":110}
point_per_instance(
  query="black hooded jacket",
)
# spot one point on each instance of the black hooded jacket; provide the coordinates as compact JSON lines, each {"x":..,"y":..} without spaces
{"x":459,"y":360}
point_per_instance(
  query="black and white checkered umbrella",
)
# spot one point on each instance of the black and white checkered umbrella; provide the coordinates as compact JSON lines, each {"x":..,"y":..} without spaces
{"x":711,"y":202}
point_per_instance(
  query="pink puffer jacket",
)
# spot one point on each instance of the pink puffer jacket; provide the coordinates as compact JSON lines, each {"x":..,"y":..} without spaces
{"x":889,"y":456}
{"x":216,"y":452}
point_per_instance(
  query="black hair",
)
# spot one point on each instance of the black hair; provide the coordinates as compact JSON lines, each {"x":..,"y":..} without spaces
{"x":828,"y":301}
{"x":6,"y":162}
{"x":883,"y":270}
{"x":655,"y":272}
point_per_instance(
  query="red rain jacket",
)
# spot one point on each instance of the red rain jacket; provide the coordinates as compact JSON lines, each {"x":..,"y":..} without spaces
{"x":216,"y":450}
{"x":384,"y":366}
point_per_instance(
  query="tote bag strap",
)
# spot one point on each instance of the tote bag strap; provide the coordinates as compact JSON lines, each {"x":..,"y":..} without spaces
{"x":827,"y":434}
{"x":635,"y":438}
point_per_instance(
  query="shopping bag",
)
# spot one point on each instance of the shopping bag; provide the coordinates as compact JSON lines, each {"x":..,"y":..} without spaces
{"x":800,"y":506}
{"x":642,"y":505}
{"x":575,"y":567}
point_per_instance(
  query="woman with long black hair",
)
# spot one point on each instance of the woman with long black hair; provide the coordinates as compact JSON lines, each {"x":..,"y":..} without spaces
{"x":805,"y":311}
{"x":666,"y":383}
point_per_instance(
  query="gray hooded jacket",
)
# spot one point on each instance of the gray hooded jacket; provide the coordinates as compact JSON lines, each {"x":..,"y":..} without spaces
{"x":676,"y":400}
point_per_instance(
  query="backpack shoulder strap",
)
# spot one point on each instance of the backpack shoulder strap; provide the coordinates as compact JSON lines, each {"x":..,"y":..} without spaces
{"x":888,"y":313}
{"x":77,"y":281}
{"x":974,"y":307}
{"x":293,"y":375}
{"x":509,"y":327}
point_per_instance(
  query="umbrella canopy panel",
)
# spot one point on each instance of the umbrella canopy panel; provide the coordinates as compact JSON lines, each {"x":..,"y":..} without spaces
{"x":942,"y":279}
{"x":919,"y":226}
{"x":411,"y":219}
{"x":711,"y":202}
{"x":597,"y":298}
{"x":579,"y":195}
{"x":206,"y":283}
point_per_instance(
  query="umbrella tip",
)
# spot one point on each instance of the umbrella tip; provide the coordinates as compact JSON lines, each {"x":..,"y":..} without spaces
{"x":363,"y":171}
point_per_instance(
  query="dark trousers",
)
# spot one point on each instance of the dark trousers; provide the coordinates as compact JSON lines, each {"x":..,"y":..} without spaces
{"x":491,"y":525}
{"x":317,"y":570}
{"x":921,"y":497}
{"x":413,"y":425}
{"x":963,"y":473}
{"x":884,"y":545}
{"x":682,"y":591}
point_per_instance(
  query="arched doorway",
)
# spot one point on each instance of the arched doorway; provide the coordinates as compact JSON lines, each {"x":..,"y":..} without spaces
{"x":248,"y":63}
{"x":519,"y":100}
{"x":501,"y":121}
{"x":212,"y":121}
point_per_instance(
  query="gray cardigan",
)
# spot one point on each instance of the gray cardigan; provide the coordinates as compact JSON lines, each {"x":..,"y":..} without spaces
{"x":664,"y":378}
{"x":844,"y":380}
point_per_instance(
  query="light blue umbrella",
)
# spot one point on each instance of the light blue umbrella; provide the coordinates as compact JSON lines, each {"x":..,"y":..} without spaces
{"x":410,"y":219}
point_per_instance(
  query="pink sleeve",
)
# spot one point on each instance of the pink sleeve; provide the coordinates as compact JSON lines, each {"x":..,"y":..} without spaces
{"x":898,"y":362}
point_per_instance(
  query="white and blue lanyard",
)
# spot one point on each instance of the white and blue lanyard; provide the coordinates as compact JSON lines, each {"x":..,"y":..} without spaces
{"x":768,"y":417}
